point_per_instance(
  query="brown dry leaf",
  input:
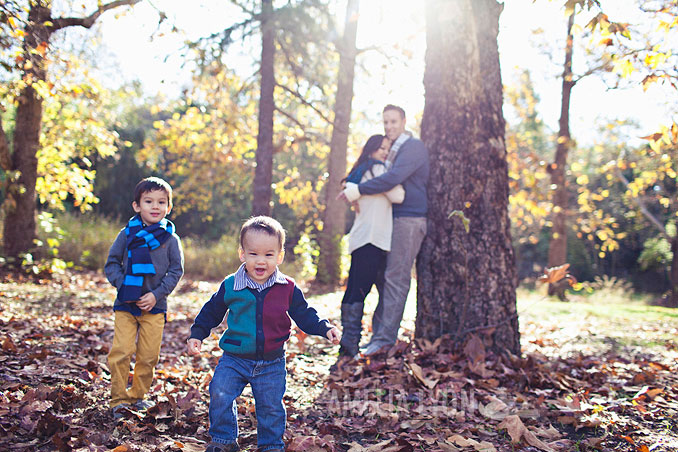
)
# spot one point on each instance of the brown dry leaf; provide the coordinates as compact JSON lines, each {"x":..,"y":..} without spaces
{"x":8,"y":345}
{"x":594,"y":443}
{"x":380,"y":447}
{"x":554,"y":274}
{"x":517,"y":430}
{"x":308,"y":443}
{"x":121,"y":448}
{"x":550,"y":433}
{"x":301,"y":339}
{"x":475,"y":350}
{"x":355,"y":447}
{"x":447,"y":447}
{"x":419,"y":374}
{"x":496,"y":409}
{"x":461,"y":441}
{"x":484,"y":446}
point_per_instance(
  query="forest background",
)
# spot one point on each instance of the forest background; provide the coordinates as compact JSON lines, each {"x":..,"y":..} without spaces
{"x":187,"y":112}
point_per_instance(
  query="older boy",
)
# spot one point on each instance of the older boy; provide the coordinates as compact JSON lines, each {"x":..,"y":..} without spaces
{"x":258,"y":299}
{"x":145,"y":263}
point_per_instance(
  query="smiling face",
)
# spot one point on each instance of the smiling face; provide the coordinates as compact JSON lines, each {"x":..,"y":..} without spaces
{"x":394,"y":124}
{"x":261,"y":254}
{"x":381,"y":153}
{"x":153,"y":206}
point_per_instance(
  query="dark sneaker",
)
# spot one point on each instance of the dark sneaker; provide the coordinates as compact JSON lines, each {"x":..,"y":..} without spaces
{"x":119,"y":410}
{"x":219,"y":447}
{"x":143,"y":405}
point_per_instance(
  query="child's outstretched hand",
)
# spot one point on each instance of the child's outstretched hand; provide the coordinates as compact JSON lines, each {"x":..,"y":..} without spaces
{"x":334,"y":335}
{"x":193,"y":346}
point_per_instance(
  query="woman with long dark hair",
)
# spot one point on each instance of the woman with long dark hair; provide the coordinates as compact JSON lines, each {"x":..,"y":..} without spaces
{"x":369,"y":241}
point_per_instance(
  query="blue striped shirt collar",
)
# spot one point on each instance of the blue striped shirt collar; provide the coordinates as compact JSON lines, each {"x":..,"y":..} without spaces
{"x":243,"y":280}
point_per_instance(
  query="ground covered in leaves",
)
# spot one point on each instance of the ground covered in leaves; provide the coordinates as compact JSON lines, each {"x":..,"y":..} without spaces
{"x":592,"y":376}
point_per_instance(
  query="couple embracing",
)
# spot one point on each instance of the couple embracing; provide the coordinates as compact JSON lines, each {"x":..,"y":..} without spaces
{"x":388,"y":184}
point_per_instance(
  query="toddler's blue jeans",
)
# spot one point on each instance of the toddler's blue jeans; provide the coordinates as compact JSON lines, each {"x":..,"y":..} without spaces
{"x":268,"y":381}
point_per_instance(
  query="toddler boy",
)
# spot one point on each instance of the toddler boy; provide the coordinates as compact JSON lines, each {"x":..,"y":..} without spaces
{"x":259,"y":300}
{"x":145,"y":263}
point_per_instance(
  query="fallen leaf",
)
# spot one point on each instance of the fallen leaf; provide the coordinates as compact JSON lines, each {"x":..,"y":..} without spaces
{"x":517,"y":431}
{"x":419,"y":374}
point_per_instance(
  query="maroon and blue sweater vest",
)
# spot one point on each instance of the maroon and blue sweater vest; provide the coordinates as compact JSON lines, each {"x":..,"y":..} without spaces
{"x":258,"y":323}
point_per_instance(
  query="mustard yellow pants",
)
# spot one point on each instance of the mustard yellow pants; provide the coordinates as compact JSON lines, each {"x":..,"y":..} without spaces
{"x":141,"y":335}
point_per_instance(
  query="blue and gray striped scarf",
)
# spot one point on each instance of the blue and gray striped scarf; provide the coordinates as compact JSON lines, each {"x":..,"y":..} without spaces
{"x":140,"y":241}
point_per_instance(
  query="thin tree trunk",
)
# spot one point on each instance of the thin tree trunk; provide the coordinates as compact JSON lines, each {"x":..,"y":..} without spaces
{"x":463,"y":128}
{"x":263,"y":173}
{"x":558,"y":243}
{"x":329,"y":269}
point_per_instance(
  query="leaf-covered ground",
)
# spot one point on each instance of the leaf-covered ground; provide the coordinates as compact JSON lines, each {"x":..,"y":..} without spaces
{"x":592,"y":376}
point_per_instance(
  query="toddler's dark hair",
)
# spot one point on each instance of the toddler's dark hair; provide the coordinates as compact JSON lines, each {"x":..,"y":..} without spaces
{"x":264,"y":224}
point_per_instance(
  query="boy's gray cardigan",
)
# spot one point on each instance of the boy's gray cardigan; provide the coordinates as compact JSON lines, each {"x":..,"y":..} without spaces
{"x":168,"y":260}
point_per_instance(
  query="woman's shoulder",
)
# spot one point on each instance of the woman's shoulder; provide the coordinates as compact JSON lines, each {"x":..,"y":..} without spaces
{"x":376,"y":170}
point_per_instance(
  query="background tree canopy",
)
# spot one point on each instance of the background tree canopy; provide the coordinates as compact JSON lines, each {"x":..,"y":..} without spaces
{"x":100,"y":131}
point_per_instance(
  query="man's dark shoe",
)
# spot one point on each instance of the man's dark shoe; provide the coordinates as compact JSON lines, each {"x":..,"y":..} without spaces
{"x":219,"y":447}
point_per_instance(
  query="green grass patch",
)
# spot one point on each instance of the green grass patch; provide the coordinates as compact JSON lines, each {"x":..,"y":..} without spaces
{"x":594,"y":322}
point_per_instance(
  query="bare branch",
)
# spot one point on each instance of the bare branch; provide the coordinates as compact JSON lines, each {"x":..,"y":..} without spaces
{"x":641,"y":205}
{"x":300,"y":97}
{"x":87,"y":22}
{"x":290,"y":117}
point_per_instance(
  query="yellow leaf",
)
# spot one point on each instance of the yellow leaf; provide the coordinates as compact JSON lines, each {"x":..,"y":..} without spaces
{"x":624,"y":68}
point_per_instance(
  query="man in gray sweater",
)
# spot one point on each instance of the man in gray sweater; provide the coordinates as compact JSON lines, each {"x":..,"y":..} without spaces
{"x":407,"y":164}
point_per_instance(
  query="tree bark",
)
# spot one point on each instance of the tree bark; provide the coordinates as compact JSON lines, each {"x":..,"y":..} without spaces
{"x":558,"y":242}
{"x":673,"y":303}
{"x":21,"y":165}
{"x":20,"y":203}
{"x":466,"y":275}
{"x":329,"y":269}
{"x":263,"y":173}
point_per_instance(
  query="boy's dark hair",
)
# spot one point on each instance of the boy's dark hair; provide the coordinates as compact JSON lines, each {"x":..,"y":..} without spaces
{"x":396,"y":108}
{"x":152,"y":184}
{"x":264,"y":224}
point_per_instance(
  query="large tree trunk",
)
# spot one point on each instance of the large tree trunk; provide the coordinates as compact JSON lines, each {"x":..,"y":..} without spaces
{"x":673,"y":302}
{"x":20,"y":202}
{"x":263,"y":173}
{"x":558,"y":242}
{"x":466,"y":281}
{"x":329,"y":269}
{"x":21,"y":166}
